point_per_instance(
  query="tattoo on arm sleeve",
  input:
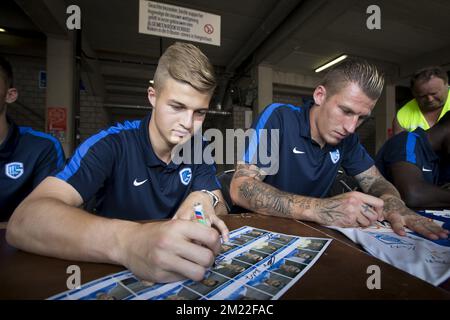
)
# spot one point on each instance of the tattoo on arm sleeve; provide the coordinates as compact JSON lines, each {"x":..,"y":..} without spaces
{"x":266,"y":199}
{"x":373,"y":183}
{"x":394,"y":205}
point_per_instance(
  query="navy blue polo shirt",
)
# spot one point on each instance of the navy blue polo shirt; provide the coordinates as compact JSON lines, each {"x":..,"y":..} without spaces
{"x":119,"y":167}
{"x":412,"y":147}
{"x":304,"y":167}
{"x":26,"y":158}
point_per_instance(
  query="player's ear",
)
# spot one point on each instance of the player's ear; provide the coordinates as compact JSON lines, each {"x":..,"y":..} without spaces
{"x":151,"y":95}
{"x":11,"y":95}
{"x":319,"y":95}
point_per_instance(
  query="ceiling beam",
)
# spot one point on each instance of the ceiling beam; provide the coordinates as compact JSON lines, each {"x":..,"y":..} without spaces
{"x":47,"y":15}
{"x":277,"y":15}
{"x":306,"y":22}
{"x":438,"y":58}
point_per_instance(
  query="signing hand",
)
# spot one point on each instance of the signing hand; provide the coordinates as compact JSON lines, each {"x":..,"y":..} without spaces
{"x":186,"y":212}
{"x":351,"y":209}
{"x":169,"y":251}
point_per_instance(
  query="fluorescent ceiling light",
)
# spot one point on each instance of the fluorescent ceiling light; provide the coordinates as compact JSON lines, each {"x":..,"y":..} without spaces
{"x":2,"y":30}
{"x":331,"y":63}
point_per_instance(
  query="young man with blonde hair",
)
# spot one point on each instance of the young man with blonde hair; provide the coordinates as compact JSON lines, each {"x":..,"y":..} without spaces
{"x":129,"y":169}
{"x":315,"y":141}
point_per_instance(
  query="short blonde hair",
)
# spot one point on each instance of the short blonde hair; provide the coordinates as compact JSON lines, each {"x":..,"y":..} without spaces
{"x":185,"y":62}
{"x":361,"y":72}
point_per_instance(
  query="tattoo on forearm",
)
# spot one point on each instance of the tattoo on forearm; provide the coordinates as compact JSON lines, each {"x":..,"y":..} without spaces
{"x":303,"y":203}
{"x":329,"y":212}
{"x":395,"y":205}
{"x":383,"y":187}
{"x":372,"y":182}
{"x":249,"y":170}
{"x":266,"y":199}
{"x":366,"y":182}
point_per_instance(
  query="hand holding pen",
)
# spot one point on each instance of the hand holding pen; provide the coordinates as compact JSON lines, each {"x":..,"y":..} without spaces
{"x":366,"y":209}
{"x":200,"y":217}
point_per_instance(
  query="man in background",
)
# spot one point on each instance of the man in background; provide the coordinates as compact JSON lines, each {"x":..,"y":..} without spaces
{"x":429,"y":87}
{"x":412,"y":161}
{"x":26,"y":156}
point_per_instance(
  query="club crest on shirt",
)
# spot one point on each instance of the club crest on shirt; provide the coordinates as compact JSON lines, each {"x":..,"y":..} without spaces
{"x":185,"y":176}
{"x":14,"y":170}
{"x":335,"y":156}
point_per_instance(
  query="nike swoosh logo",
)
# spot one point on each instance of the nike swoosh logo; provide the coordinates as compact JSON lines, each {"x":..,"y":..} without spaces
{"x":297,"y":151}
{"x":426,"y":170}
{"x":138,"y":183}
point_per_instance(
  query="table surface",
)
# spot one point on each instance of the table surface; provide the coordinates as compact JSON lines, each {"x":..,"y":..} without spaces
{"x":340,"y":273}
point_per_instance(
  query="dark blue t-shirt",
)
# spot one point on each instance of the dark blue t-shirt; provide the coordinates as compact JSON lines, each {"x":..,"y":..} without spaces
{"x":119,"y":167}
{"x":303,"y":166}
{"x":412,"y":147}
{"x":26,"y":158}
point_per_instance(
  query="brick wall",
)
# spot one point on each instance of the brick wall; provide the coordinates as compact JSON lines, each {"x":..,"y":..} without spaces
{"x":93,"y":116}
{"x":239,"y":117}
{"x":295,"y":100}
{"x":30,"y":106}
{"x":367,"y":136}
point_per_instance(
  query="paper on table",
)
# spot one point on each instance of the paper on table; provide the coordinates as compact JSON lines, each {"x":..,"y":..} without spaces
{"x":255,"y":264}
{"x":423,"y":258}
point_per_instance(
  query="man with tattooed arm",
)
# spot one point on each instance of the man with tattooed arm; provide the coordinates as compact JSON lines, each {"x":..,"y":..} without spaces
{"x":313,"y":142}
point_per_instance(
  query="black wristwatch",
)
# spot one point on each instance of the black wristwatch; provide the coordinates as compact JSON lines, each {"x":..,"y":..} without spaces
{"x":214,"y":198}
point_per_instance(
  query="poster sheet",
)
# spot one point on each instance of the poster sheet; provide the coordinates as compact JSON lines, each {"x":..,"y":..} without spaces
{"x":255,"y":264}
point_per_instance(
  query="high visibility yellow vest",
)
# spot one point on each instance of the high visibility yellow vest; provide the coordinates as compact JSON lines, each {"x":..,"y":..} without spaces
{"x":410,"y":117}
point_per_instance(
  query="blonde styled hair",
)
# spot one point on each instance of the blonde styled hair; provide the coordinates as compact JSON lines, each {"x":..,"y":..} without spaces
{"x":185,"y":62}
{"x":361,"y":72}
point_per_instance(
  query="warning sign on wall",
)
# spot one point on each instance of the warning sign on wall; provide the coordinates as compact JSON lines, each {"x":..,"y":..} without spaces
{"x":57,"y":122}
{"x":170,"y":21}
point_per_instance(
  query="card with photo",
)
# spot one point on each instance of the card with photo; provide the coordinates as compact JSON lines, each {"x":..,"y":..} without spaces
{"x":227,"y":247}
{"x":178,"y":293}
{"x":241,"y":240}
{"x":287,"y":268}
{"x":247,"y":293}
{"x":115,"y":291}
{"x":255,"y":233}
{"x":211,"y":282}
{"x":281,"y":239}
{"x":231,"y":268}
{"x":252,"y":256}
{"x":268,"y":247}
{"x":312,"y":243}
{"x":269,"y":282}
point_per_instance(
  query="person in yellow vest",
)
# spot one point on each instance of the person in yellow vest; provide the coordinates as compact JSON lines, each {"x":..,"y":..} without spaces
{"x":431,"y":101}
